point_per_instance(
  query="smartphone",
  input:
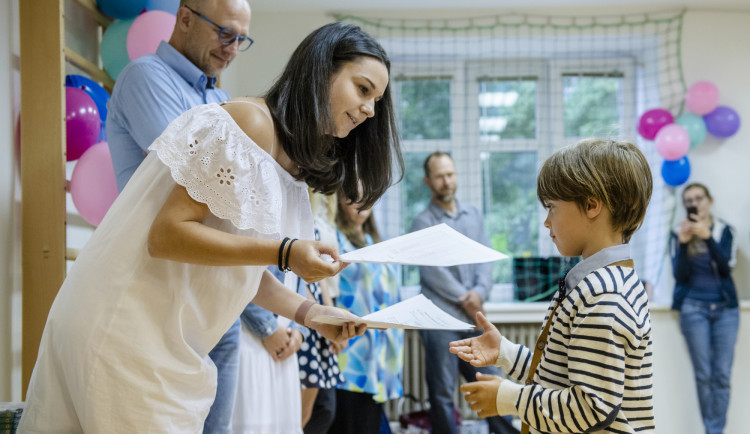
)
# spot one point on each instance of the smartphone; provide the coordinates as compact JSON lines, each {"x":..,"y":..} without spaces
{"x":690,"y":211}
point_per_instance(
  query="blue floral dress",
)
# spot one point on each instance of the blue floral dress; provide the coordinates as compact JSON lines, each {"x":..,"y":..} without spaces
{"x":373,"y":362}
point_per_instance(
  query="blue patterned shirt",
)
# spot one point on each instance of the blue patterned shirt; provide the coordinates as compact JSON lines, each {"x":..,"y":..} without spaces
{"x":373,"y":362}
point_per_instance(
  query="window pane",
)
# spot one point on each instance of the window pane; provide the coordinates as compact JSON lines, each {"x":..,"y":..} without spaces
{"x":592,"y":105}
{"x":415,"y":196}
{"x":424,"y":109}
{"x":507,"y":108}
{"x":510,"y":207}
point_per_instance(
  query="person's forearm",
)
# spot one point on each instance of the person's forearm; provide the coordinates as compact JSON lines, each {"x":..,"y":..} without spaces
{"x":276,"y":297}
{"x":515,"y":359}
{"x":196,"y":243}
{"x":721,"y":261}
{"x":178,"y":234}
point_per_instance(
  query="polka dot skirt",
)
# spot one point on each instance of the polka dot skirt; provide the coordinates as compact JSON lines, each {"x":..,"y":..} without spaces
{"x":318,"y":366}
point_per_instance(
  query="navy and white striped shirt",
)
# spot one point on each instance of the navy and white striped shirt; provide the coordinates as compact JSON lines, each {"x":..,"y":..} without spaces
{"x":595,"y":374}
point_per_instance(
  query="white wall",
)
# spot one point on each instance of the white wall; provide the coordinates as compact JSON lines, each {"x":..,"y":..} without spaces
{"x":715,"y":48}
{"x":276,"y":36}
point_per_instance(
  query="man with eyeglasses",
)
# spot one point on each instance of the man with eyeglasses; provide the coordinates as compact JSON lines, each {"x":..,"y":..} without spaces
{"x":151,"y":92}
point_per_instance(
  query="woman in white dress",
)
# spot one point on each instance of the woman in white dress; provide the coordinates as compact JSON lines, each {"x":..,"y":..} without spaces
{"x":185,"y":246}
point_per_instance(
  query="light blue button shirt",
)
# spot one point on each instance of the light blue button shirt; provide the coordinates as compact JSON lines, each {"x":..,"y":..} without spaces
{"x":151,"y":92}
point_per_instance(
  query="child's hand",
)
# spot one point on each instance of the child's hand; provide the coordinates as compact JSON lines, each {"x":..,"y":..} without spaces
{"x":275,"y":343}
{"x":481,"y":395}
{"x":294,"y":343}
{"x":482,"y":350}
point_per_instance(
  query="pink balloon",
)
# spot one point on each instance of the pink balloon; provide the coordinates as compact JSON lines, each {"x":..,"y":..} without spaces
{"x":702,"y":97}
{"x":652,"y":121}
{"x":672,"y":142}
{"x":82,"y":123}
{"x":147,"y":31}
{"x":93,"y":187}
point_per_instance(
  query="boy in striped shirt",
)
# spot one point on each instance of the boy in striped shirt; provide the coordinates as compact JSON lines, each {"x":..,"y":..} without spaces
{"x":591,"y":370}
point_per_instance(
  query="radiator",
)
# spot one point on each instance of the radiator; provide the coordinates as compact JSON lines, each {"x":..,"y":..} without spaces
{"x":414,"y":370}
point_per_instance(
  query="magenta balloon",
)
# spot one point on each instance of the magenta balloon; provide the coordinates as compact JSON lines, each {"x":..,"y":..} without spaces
{"x":93,"y":187}
{"x":652,"y":121}
{"x":722,"y":122}
{"x":702,"y":97}
{"x":672,"y":142}
{"x":82,"y":123}
{"x":147,"y":31}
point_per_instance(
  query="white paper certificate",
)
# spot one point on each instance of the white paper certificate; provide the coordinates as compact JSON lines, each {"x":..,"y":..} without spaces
{"x":413,"y":313}
{"x":439,"y":245}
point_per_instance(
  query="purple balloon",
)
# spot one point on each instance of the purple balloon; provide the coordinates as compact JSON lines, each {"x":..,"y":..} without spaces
{"x":652,"y":121}
{"x":82,"y":123}
{"x":722,"y":122}
{"x":676,"y":172}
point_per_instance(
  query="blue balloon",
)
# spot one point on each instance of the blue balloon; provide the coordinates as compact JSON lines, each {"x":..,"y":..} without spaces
{"x":114,"y":47}
{"x":722,"y":122}
{"x":121,"y":9}
{"x":103,"y":133}
{"x":170,"y":6}
{"x":676,"y":172}
{"x":92,"y":88}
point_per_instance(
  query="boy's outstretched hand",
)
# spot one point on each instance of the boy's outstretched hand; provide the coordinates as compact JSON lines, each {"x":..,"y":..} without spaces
{"x":482,"y":350}
{"x":481,"y":395}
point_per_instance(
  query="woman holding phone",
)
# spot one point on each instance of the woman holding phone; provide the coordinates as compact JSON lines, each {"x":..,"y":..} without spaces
{"x":703,"y":252}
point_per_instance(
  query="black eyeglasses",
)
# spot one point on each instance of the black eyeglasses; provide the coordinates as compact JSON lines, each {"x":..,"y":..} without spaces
{"x":227,"y":35}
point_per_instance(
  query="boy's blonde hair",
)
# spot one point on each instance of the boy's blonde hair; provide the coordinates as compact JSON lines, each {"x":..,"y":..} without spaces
{"x":615,"y":173}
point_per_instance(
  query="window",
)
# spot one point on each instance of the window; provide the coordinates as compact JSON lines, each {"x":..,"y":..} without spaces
{"x":414,"y":199}
{"x":592,"y":103}
{"x":510,"y":207}
{"x":507,"y":108}
{"x":499,"y":119}
{"x":424,"y":108}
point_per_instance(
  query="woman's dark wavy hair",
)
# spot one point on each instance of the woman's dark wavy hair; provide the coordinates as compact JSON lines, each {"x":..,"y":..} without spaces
{"x":300,"y":105}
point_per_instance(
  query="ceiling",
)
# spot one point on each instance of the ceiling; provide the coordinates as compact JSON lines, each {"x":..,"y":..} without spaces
{"x":349,"y":5}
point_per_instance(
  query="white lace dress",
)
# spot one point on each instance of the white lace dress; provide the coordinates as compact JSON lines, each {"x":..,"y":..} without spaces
{"x":126,"y":341}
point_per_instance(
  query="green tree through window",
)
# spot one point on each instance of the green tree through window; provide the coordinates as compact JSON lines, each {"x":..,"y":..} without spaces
{"x":424,"y":109}
{"x":593,"y":104}
{"x":510,"y":204}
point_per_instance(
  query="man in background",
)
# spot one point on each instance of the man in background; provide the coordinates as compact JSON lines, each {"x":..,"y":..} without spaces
{"x":151,"y":92}
{"x":459,"y":290}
